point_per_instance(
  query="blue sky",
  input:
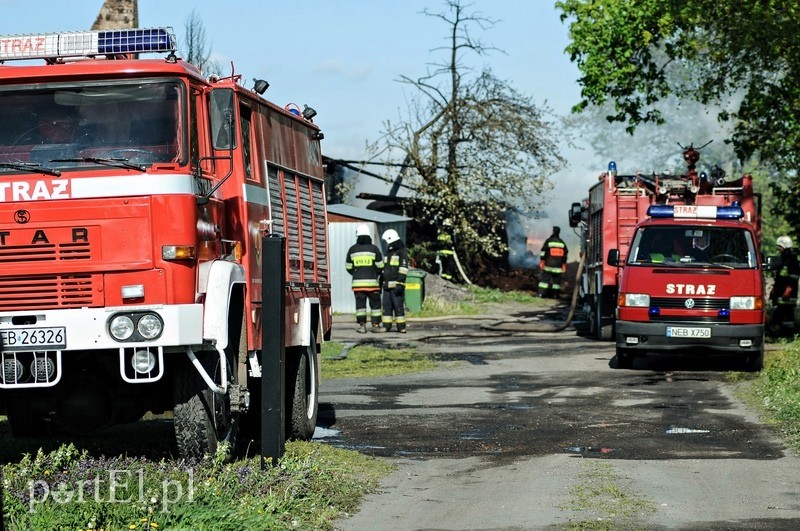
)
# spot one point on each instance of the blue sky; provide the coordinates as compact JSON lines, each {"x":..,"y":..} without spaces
{"x":344,"y":57}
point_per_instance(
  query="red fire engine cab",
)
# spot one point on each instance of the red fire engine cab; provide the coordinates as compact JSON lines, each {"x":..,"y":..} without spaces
{"x":672,"y":262}
{"x":134,"y":195}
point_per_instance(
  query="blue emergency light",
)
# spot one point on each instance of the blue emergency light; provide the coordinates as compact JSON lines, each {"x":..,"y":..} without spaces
{"x":734,"y":211}
{"x":87,"y":43}
{"x":612,"y":168}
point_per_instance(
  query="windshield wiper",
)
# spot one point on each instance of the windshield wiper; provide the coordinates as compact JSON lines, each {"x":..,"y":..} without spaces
{"x":117,"y":163}
{"x":30,"y":166}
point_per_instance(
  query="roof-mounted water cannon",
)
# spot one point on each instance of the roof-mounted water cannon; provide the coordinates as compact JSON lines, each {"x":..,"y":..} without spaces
{"x":54,"y":46}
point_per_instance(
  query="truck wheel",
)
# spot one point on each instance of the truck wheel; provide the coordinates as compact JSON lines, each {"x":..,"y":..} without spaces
{"x":26,"y":423}
{"x":302,"y":392}
{"x":203,"y":419}
{"x":604,"y":332}
{"x":624,"y":359}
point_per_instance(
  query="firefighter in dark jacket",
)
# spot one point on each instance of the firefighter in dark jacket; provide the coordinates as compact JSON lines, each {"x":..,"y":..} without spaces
{"x":365,"y":263}
{"x":552,"y":263}
{"x":784,"y":291}
{"x":394,"y":282}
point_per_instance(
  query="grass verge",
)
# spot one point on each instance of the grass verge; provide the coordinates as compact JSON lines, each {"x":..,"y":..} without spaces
{"x":369,"y":361}
{"x":775,"y":391}
{"x":478,"y":300}
{"x":67,"y":488}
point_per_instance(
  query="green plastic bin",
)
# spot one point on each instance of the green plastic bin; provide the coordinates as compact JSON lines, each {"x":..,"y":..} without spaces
{"x":415,"y":289}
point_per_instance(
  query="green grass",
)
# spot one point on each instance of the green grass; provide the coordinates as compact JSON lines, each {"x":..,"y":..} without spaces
{"x":775,"y":391}
{"x":478,"y":301}
{"x":602,"y":502}
{"x":368,"y":361}
{"x":311,"y":486}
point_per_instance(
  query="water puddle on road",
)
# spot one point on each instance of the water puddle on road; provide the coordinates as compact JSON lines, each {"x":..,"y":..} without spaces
{"x":596,"y":452}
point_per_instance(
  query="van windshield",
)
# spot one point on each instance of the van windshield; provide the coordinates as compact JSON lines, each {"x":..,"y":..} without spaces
{"x":69,"y":126}
{"x":694,"y":246}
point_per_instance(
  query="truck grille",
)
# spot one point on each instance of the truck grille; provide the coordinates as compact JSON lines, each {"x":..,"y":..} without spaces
{"x":700,"y":303}
{"x":45,"y":253}
{"x":39,"y":292}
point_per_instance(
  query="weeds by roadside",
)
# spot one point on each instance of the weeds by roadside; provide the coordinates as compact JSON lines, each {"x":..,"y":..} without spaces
{"x":368,"y":361}
{"x":312,"y":485}
{"x":776,"y":391}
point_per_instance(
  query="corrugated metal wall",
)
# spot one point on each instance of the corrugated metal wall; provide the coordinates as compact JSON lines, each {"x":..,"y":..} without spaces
{"x":340,"y":237}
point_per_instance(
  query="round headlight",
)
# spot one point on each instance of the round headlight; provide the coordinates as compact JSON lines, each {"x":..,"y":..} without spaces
{"x":150,"y":326}
{"x":12,"y":371}
{"x":42,"y":369}
{"x":143,"y":361}
{"x":121,"y":327}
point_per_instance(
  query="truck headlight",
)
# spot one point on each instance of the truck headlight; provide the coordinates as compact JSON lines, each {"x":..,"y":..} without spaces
{"x":636,"y":300}
{"x":743,"y":303}
{"x":121,"y":327}
{"x":150,"y":326}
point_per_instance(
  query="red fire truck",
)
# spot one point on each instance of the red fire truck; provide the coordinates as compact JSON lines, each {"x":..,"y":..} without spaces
{"x":691,"y":274}
{"x":134,"y":195}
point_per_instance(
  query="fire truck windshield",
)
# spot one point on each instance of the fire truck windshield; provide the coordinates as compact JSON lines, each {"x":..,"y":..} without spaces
{"x":693,"y":246}
{"x":75,"y":126}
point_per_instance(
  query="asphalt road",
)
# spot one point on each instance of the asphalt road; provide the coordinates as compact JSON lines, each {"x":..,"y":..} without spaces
{"x":524,"y":429}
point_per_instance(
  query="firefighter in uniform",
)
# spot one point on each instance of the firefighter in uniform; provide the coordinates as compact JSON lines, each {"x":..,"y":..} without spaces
{"x":784,"y":291}
{"x":394,"y":282}
{"x":445,"y":255}
{"x":552,"y":263}
{"x":365,"y":263}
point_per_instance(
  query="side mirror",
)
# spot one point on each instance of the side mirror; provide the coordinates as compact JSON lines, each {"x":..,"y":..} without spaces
{"x":772,"y":263}
{"x":574,"y":215}
{"x":613,"y":257}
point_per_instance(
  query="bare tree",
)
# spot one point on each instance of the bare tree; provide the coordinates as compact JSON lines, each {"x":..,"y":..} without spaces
{"x":195,"y":46}
{"x":473,"y":147}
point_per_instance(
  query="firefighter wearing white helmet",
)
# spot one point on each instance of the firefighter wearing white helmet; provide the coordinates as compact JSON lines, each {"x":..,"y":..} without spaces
{"x":394,"y":282}
{"x":365,"y":263}
{"x":784,"y":291}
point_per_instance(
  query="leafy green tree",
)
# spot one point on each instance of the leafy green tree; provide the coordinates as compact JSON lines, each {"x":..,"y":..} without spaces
{"x":741,"y":56}
{"x":472,"y":146}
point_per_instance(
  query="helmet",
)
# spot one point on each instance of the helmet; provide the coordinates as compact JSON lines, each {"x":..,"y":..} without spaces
{"x":363,"y":230}
{"x":784,"y":241}
{"x":390,"y":236}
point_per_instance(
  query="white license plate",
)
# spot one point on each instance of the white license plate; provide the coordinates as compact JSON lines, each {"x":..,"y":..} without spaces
{"x":688,"y":331}
{"x":45,"y":338}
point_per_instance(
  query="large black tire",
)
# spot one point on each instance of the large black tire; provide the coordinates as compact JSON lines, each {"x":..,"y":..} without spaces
{"x":624,"y":359}
{"x":26,"y":423}
{"x":203,"y":419}
{"x":604,"y":331}
{"x":302,"y":392}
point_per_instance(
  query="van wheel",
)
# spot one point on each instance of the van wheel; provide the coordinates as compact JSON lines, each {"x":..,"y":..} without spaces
{"x":302,"y":392}
{"x":754,"y":362}
{"x":624,"y":359}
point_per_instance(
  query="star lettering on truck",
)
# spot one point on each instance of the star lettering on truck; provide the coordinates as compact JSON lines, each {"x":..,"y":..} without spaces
{"x":34,"y":191}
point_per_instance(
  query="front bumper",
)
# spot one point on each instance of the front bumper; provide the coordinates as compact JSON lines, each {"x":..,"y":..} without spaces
{"x":636,"y":336}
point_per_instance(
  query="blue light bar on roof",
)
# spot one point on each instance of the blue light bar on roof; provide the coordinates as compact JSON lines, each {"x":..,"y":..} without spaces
{"x":86,"y":43}
{"x":696,"y":211}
